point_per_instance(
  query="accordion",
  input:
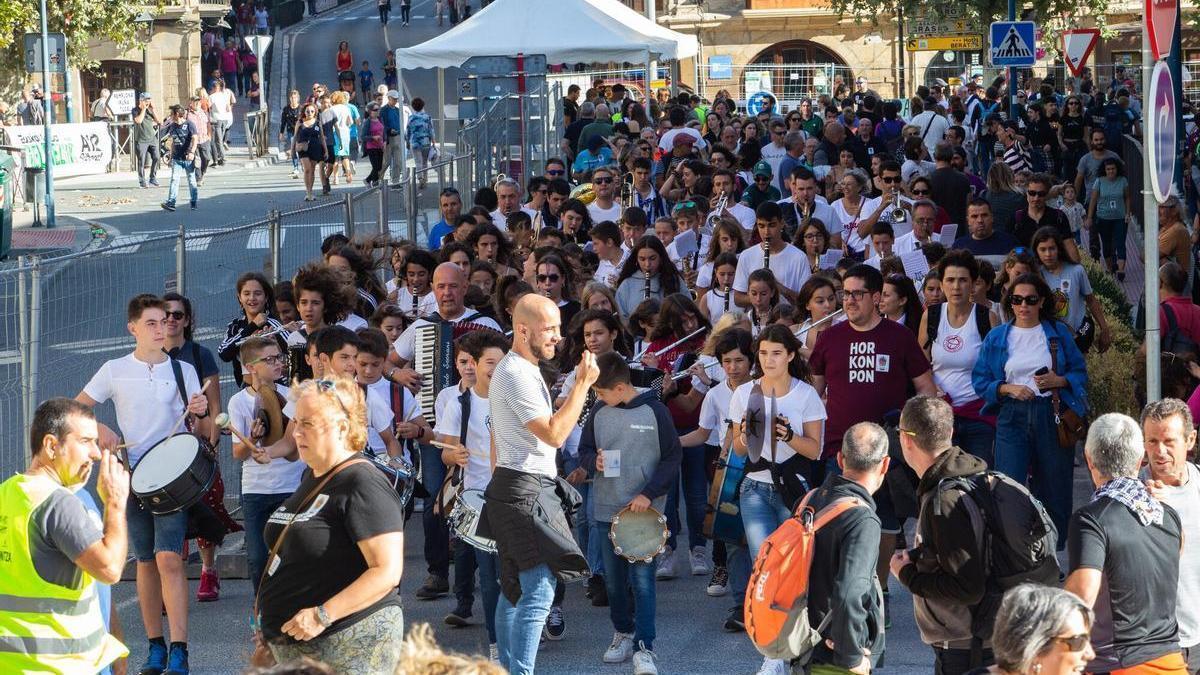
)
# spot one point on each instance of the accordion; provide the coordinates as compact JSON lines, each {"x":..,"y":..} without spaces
{"x":433,"y":357}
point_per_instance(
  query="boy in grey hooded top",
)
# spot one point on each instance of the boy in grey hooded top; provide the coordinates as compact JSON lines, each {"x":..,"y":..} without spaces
{"x":632,"y":434}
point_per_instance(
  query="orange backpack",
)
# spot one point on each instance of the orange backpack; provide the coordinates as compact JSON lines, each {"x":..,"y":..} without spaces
{"x":777,"y":595}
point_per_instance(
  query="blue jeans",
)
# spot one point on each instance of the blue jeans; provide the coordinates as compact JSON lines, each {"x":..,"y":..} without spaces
{"x":150,"y":534}
{"x":976,"y":438}
{"x":763,"y":510}
{"x":738,"y":563}
{"x":287,"y":140}
{"x":586,"y":529}
{"x":1027,"y":447}
{"x":256,"y":509}
{"x":623,"y":577}
{"x":695,"y":496}
{"x":1112,"y":237}
{"x":185,"y":168}
{"x":437,"y":536}
{"x":488,"y":565}
{"x":519,"y":627}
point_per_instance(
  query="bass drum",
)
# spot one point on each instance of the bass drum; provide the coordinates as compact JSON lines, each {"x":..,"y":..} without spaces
{"x":174,"y":474}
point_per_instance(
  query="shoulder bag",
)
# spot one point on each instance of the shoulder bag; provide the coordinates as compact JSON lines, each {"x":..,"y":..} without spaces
{"x":1071,"y":427}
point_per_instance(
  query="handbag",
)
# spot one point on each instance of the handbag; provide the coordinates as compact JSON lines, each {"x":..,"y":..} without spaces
{"x":261,"y":655}
{"x":1071,"y":427}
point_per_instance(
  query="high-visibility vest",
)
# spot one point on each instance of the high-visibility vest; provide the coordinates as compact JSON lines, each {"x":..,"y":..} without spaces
{"x":44,"y":627}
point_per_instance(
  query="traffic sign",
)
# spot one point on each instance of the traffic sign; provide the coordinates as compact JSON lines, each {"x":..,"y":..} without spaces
{"x":1160,"y":24}
{"x":1013,"y":43}
{"x":1077,"y":46}
{"x":758,"y":101}
{"x":258,"y":44}
{"x":1160,"y":131}
{"x":57,"y":46}
{"x":935,"y":43}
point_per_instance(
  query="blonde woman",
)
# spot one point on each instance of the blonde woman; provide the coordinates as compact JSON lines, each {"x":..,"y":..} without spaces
{"x":330,"y":590}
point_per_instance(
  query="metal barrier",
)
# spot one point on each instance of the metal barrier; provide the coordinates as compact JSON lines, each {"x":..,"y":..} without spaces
{"x":515,"y":135}
{"x":1131,"y":155}
{"x":121,"y":134}
{"x":258,"y":132}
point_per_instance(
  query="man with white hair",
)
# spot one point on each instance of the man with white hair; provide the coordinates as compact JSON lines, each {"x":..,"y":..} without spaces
{"x":1124,"y":549}
{"x":1170,"y":433}
{"x":508,"y":201}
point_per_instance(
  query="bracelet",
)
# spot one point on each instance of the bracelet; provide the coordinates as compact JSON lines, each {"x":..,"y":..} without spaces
{"x":200,"y":417}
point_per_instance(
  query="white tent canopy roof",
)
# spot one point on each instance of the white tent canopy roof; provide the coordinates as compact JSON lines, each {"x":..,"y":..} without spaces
{"x":565,"y":31}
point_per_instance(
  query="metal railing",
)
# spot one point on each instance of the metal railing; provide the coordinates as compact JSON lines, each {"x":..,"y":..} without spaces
{"x":121,"y":134}
{"x":515,"y":135}
{"x":258,"y":132}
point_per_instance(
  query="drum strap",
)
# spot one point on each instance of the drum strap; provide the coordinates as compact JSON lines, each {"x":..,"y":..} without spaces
{"x":308,"y":498}
{"x":452,"y":485}
{"x":178,"y":372}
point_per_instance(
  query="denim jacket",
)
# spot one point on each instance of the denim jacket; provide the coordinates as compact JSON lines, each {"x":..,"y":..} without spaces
{"x":993,"y":355}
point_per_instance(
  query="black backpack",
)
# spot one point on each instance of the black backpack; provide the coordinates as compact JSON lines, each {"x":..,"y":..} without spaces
{"x":983,"y":322}
{"x":1175,"y":340}
{"x":1019,"y":539}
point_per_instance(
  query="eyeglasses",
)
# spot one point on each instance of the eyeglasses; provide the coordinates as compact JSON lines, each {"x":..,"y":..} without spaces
{"x":890,"y":179}
{"x":326,"y":386}
{"x":1018,"y":300}
{"x":269,"y":360}
{"x":813,"y":236}
{"x":1074,"y":643}
{"x":1036,"y":193}
{"x":602,"y":181}
{"x":178,"y":316}
{"x":552,"y":278}
{"x":857,"y":295}
{"x":557,"y":172}
{"x":920,"y":193}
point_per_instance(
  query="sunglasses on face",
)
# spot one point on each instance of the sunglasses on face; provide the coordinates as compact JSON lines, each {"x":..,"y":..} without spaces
{"x":178,"y":316}
{"x":543,"y":278}
{"x":1018,"y":300}
{"x":1036,"y":193}
{"x":920,"y":193}
{"x":1074,"y":643}
{"x":556,"y":172}
{"x":602,"y":181}
{"x":890,"y":179}
{"x":762,"y":179}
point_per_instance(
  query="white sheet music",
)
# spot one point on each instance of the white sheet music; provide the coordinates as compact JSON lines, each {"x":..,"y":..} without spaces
{"x":948,"y":234}
{"x":685,"y":243}
{"x":830,"y":258}
{"x":916,"y":266}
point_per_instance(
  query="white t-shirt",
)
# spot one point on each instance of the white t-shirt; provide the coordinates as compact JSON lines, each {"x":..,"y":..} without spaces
{"x":954,"y":354}
{"x":667,"y":142}
{"x":607,"y":272}
{"x":426,"y":304}
{"x":906,"y":243}
{"x":353,"y":322}
{"x":847,"y":225}
{"x":145,"y":397}
{"x":714,"y":299}
{"x":714,"y":411}
{"x":517,"y":396}
{"x":500,"y":220}
{"x":1028,"y":352}
{"x":280,"y":476}
{"x":600,"y":215}
{"x":479,"y":437}
{"x":800,"y":405}
{"x":773,"y":155}
{"x":443,"y":398}
{"x":220,"y":106}
{"x":933,"y":127}
{"x":405,"y":344}
{"x":744,"y":215}
{"x":790,"y":267}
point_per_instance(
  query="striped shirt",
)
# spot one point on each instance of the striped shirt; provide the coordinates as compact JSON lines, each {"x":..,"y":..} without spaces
{"x":1016,"y":158}
{"x":518,"y":395}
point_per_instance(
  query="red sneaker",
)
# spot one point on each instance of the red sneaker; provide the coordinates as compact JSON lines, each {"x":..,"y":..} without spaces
{"x":210,"y":586}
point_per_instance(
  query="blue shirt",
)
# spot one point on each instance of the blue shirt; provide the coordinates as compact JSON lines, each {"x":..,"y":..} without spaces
{"x":439,"y":232}
{"x":367,"y":78}
{"x":586,"y":161}
{"x":391,"y":119}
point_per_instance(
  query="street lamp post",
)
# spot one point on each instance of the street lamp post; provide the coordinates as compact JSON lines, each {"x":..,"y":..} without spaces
{"x":146,"y":19}
{"x":47,"y":111}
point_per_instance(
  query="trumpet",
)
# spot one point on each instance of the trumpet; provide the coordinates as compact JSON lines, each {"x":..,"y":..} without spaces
{"x":626,"y":191}
{"x":722,"y":202}
{"x":898,"y":214}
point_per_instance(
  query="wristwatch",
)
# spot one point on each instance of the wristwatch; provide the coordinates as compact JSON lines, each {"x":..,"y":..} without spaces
{"x":323,"y":617}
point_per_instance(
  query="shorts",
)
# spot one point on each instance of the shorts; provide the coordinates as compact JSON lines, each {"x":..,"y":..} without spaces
{"x":150,"y":534}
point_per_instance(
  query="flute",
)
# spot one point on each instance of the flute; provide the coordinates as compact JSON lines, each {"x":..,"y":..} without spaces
{"x":273,"y":331}
{"x":804,"y":331}
{"x":638,"y":357}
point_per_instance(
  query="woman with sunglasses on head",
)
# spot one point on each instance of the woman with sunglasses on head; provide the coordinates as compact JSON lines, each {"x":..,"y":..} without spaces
{"x":1041,"y":630}
{"x":646,"y":274}
{"x":256,"y":300}
{"x":332,"y":591}
{"x":309,"y":143}
{"x":1028,"y":371}
{"x":1072,"y":298}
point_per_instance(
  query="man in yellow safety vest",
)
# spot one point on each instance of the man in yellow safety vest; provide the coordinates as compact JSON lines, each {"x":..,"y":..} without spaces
{"x":51,"y":549}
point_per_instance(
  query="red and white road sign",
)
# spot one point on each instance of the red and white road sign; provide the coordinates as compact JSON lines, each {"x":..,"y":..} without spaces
{"x":1077,"y":46}
{"x":1160,"y":24}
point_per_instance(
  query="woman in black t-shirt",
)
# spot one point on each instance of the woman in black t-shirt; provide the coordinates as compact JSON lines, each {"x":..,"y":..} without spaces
{"x":331,"y":592}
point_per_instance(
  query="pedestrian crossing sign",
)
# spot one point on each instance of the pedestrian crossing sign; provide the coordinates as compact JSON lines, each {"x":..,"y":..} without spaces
{"x":1013,"y":44}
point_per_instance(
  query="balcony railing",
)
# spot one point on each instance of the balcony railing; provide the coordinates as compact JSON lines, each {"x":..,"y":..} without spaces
{"x":786,"y":4}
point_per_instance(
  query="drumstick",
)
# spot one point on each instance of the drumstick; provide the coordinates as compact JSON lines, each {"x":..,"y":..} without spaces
{"x":453,"y":446}
{"x":179,"y":422}
{"x":223,"y":421}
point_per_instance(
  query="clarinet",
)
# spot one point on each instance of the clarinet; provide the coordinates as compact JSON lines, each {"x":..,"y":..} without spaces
{"x":646,"y":287}
{"x":727,"y":294}
{"x":766,"y":247}
{"x":416,"y":301}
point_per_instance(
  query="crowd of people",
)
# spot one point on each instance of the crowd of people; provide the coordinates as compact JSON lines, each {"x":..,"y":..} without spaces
{"x":691,"y":313}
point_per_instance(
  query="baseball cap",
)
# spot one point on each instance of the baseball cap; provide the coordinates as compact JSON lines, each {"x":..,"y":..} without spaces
{"x":762,"y":169}
{"x":940,"y":82}
{"x":145,"y":96}
{"x":392,"y":93}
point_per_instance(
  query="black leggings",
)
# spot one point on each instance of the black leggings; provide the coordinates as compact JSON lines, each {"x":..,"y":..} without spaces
{"x":376,"y":157}
{"x":404,"y":10}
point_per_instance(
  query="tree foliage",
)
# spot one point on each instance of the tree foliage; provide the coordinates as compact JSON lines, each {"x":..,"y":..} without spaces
{"x":80,"y":20}
{"x":980,"y":12}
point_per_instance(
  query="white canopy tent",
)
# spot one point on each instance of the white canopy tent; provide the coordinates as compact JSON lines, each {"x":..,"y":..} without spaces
{"x":564,"y":31}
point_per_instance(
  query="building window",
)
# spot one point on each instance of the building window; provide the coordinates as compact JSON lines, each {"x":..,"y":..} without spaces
{"x":111,"y":75}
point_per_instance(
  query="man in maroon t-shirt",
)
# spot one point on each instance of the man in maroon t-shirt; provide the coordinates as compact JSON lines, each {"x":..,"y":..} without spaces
{"x":863,"y":367}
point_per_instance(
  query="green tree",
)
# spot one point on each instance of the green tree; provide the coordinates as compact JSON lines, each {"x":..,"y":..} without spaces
{"x":80,"y":20}
{"x":981,"y":11}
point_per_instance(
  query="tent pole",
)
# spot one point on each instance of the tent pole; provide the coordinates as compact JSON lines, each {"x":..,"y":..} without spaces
{"x":441,"y":76}
{"x":403,"y":129}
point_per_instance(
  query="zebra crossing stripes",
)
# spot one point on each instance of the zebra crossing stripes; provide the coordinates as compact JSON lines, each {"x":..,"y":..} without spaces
{"x":260,"y":238}
{"x":124,"y":244}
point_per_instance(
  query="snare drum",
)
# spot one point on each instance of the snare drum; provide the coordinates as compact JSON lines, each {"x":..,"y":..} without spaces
{"x":639,"y":536}
{"x":174,"y":474}
{"x":464,"y":520}
{"x":397,"y":470}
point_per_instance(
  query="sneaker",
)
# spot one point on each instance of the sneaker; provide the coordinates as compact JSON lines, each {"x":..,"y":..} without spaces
{"x":167,"y":206}
{"x":459,"y":617}
{"x":434,"y":587}
{"x":156,"y":660}
{"x":644,"y":661}
{"x":200,"y":183}
{"x":620,"y":649}
{"x":142,"y":183}
{"x":700,"y":562}
{"x":735,"y":621}
{"x":718,"y":585}
{"x":295,"y":173}
{"x":210,"y":586}
{"x":555,"y":625}
{"x":177,"y":662}
{"x":666,"y":565}
{"x":773,"y":667}
{"x":493,"y":652}
{"x":194,"y":206}
{"x":154,"y":182}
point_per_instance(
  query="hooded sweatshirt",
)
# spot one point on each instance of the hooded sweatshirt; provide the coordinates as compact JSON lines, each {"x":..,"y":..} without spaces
{"x":650,"y":453}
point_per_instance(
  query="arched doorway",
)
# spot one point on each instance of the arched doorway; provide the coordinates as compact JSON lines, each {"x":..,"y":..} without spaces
{"x":111,"y":75}
{"x":951,"y":66}
{"x":797,"y":69}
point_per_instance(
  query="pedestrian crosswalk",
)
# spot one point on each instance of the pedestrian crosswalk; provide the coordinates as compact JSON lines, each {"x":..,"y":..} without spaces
{"x":252,"y":239}
{"x":126,"y":243}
